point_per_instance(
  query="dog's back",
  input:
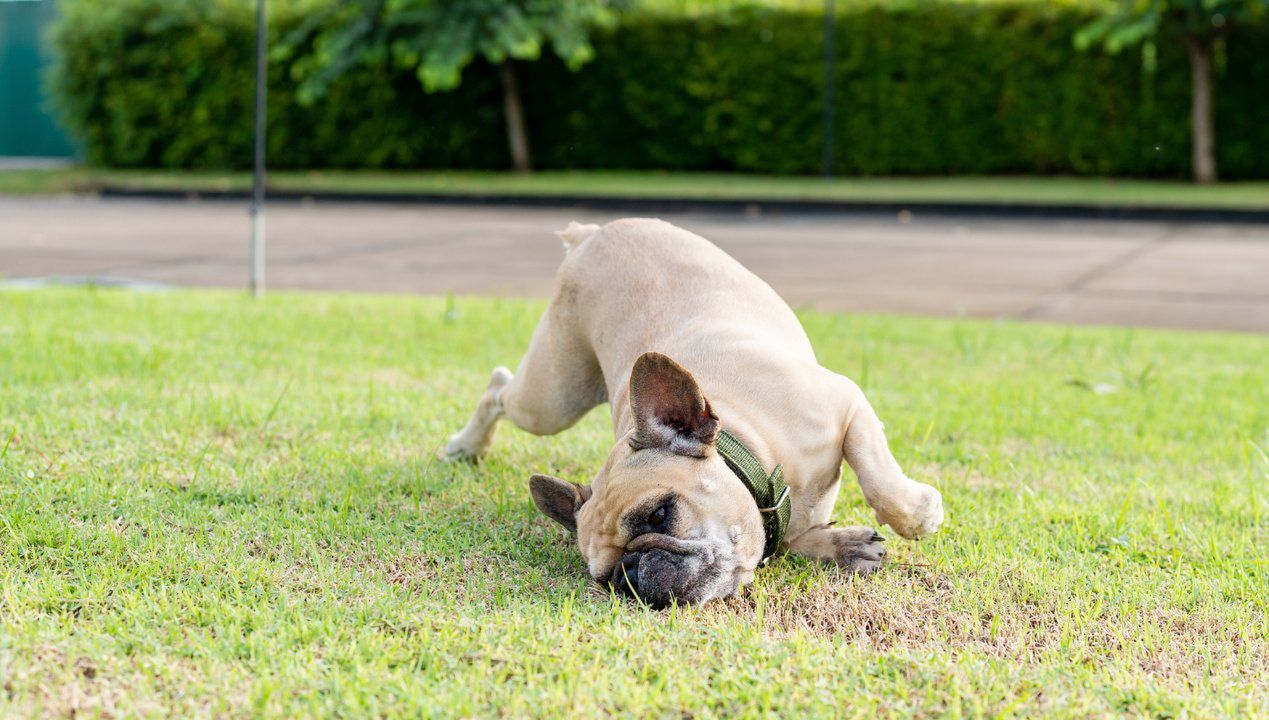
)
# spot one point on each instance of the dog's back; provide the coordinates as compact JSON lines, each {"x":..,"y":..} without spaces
{"x":656,"y":285}
{"x":640,"y":285}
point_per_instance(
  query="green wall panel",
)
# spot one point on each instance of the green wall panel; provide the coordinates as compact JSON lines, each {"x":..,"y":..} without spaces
{"x":27,"y":126}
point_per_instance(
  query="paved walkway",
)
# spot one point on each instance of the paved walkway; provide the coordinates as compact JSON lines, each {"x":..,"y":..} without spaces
{"x":1119,"y":273}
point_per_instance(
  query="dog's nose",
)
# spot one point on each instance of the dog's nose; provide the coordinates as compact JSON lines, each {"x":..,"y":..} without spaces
{"x":653,"y":591}
{"x":625,"y":577}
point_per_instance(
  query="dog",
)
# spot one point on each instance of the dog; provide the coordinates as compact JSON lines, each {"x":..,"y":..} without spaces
{"x":730,"y":436}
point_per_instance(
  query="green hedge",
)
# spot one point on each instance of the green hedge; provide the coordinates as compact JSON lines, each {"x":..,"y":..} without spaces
{"x":929,"y":89}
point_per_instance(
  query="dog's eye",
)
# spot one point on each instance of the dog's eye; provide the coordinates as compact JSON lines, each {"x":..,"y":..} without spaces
{"x":657,"y":519}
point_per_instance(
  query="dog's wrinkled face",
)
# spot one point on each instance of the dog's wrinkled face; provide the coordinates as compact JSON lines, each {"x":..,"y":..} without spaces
{"x":665,"y":519}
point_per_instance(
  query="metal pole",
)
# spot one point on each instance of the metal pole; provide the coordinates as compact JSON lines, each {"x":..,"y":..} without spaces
{"x":830,"y":17}
{"x":257,"y":187}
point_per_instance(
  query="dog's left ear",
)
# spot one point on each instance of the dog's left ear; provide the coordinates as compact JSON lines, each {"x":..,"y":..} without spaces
{"x":670,"y":411}
{"x":559,"y":499}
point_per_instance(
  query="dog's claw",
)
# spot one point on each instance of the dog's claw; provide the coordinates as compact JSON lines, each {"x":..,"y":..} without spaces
{"x":859,"y":549}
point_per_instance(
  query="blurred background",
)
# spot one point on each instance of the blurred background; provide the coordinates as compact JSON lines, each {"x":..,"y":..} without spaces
{"x":1001,"y":158}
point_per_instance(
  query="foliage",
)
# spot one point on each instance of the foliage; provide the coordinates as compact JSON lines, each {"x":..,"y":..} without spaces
{"x":155,"y":82}
{"x":216,"y":507}
{"x":1128,"y":22}
{"x":929,"y":88}
{"x":168,"y":83}
{"x":438,"y":40}
{"x":1196,"y":24}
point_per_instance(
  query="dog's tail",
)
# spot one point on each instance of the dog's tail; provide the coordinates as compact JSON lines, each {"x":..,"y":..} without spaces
{"x":574,"y":234}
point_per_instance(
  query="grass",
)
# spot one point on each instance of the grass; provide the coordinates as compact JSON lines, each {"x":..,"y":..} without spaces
{"x":219,"y":507}
{"x":1042,"y":190}
{"x":688,"y":7}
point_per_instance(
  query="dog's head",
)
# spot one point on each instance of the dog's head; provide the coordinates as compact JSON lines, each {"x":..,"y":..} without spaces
{"x":665,"y":519}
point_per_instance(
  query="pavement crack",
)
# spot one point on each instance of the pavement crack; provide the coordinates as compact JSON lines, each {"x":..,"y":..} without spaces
{"x":1055,"y":297}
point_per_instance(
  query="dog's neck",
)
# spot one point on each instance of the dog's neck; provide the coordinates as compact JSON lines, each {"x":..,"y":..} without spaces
{"x":767,"y":488}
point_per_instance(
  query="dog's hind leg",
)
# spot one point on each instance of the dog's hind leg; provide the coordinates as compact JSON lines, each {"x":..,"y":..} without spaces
{"x":558,"y":381}
{"x":910,"y":508}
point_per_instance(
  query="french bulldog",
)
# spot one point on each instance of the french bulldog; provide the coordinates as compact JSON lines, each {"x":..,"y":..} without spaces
{"x":684,"y":343}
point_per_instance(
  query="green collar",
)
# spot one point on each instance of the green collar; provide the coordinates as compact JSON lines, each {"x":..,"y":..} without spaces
{"x":769,"y":491}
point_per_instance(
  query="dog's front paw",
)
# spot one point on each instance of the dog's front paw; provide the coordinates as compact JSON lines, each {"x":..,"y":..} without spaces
{"x":918,"y":517}
{"x":458,"y":450}
{"x":473,"y":440}
{"x":859,"y":549}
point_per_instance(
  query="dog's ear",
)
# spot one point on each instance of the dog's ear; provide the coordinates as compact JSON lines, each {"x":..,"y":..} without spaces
{"x":558,"y":499}
{"x":670,"y":411}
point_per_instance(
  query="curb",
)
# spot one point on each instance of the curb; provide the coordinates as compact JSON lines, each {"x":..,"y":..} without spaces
{"x":737,"y":205}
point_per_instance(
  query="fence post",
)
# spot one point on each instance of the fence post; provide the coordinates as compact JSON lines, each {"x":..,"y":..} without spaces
{"x":257,"y":180}
{"x":830,"y":120}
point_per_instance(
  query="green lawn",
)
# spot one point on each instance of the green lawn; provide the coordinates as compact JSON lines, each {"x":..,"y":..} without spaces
{"x":214,"y":506}
{"x":1043,"y":190}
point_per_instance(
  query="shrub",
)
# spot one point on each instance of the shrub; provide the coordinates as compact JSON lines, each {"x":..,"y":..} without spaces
{"x":170,"y":83}
{"x":921,"y":89}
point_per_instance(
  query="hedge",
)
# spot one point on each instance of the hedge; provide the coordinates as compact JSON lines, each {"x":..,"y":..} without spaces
{"x":922,"y":89}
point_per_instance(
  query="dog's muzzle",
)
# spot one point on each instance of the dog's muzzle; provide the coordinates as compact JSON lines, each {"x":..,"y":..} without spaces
{"x":659,"y":570}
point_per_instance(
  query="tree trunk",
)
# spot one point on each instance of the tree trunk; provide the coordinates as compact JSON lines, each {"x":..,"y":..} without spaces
{"x":1203,"y":124}
{"x":513,"y":109}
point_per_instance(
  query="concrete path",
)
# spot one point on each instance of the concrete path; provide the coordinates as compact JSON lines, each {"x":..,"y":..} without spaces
{"x":1118,"y":273}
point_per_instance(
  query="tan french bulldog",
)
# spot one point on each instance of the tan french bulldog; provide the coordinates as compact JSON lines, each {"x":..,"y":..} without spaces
{"x":690,"y":349}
